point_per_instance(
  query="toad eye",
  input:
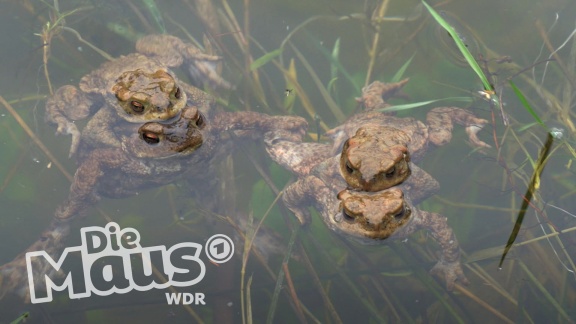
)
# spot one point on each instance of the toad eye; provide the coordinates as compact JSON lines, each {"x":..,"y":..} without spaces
{"x":178,"y":93}
{"x":391,"y":172}
{"x":347,"y":217}
{"x":349,"y":168}
{"x":399,"y":215}
{"x":136,"y":106}
{"x":150,"y":138}
{"x":275,"y":141}
{"x":200,"y":121}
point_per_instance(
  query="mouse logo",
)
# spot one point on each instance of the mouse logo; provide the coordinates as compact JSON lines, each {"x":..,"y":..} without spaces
{"x":111,"y":264}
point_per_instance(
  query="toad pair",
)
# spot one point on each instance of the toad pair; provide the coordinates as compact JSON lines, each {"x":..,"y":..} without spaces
{"x":145,"y":123}
{"x":146,"y":129}
{"x":368,"y":191}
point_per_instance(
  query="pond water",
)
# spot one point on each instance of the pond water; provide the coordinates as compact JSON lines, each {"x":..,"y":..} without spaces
{"x":312,"y":58}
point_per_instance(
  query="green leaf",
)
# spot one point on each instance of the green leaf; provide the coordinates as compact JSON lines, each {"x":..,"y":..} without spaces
{"x":21,"y":319}
{"x":525,"y":103}
{"x":461,"y":46}
{"x":532,"y":187}
{"x":331,"y":83}
{"x":335,"y":62}
{"x":290,"y":74}
{"x":400,"y":73}
{"x":527,"y":126}
{"x":262,"y":60}
{"x":334,"y":108}
{"x":335,"y":56}
{"x":155,"y":13}
{"x":424,"y":103}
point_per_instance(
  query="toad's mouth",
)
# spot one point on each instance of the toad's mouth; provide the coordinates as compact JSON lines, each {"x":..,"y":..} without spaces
{"x":369,"y":234}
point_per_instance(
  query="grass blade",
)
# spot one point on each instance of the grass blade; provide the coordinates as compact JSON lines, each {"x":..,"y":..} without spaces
{"x":289,"y":75}
{"x":400,"y":73}
{"x":280,"y":281}
{"x":150,"y":5}
{"x":525,"y":103}
{"x":334,"y":62}
{"x":21,"y":319}
{"x":262,"y":60}
{"x":334,"y":58}
{"x":528,"y":196}
{"x":325,"y":95}
{"x":545,"y":293}
{"x":424,"y":103}
{"x":249,"y":301}
{"x":461,"y":46}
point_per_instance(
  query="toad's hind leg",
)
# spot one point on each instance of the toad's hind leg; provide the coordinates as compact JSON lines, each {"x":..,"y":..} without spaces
{"x":420,"y":184}
{"x":448,"y":267}
{"x":440,"y":121}
{"x":14,"y":276}
{"x":172,"y":51}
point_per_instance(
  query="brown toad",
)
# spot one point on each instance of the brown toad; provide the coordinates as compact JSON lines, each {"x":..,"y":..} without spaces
{"x":149,"y":156}
{"x":376,"y":158}
{"x":365,"y":163}
{"x":361,"y":162}
{"x":367,"y":217}
{"x":438,"y":130}
{"x":370,"y":217}
{"x":106,"y":171}
{"x":136,"y":88}
{"x":157,"y":153}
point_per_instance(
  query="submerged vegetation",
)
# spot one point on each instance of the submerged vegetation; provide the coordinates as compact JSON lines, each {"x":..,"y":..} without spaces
{"x":315,"y":68}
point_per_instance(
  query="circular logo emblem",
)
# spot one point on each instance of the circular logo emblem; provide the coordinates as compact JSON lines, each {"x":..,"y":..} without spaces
{"x":219,"y":248}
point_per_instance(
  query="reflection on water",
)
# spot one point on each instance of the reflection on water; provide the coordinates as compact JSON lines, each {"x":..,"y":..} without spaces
{"x":332,"y":279}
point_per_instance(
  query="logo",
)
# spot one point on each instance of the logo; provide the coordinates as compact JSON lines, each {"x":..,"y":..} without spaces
{"x":219,"y":248}
{"x":114,"y":262}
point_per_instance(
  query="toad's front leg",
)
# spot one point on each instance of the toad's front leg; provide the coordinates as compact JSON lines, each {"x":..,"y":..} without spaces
{"x":285,"y":147}
{"x":83,"y":191}
{"x":302,"y":194}
{"x":100,"y":131}
{"x":257,"y":125}
{"x":440,"y":121}
{"x":420,"y":185}
{"x":67,"y":105}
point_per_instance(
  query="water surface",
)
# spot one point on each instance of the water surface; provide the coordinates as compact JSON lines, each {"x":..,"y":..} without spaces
{"x":481,"y":192}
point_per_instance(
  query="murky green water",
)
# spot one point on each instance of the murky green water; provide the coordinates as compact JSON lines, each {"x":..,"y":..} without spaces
{"x":481,"y":193}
